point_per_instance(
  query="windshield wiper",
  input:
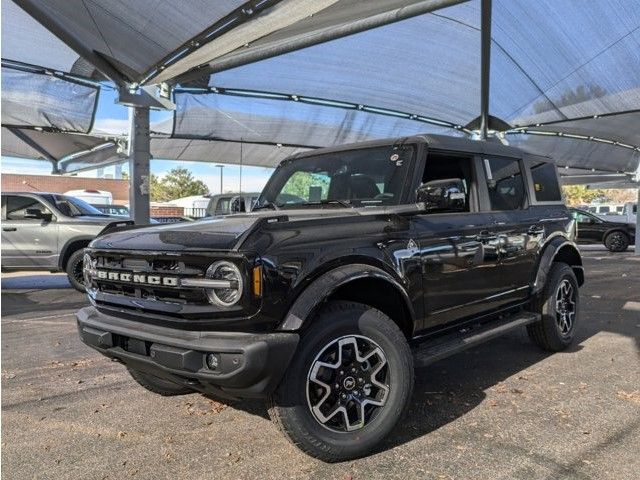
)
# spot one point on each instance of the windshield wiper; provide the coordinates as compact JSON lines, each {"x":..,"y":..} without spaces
{"x":344,"y":203}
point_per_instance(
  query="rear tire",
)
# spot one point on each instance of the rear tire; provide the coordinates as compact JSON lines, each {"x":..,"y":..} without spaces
{"x":558,"y":303}
{"x":74,"y":270}
{"x":367,"y":365}
{"x":616,"y":242}
{"x":158,"y":385}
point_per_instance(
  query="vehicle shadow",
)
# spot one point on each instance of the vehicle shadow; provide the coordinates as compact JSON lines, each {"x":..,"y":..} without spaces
{"x":39,"y":293}
{"x":451,"y":388}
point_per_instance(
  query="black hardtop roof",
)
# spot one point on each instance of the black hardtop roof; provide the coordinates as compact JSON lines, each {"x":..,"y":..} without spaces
{"x":434,"y":142}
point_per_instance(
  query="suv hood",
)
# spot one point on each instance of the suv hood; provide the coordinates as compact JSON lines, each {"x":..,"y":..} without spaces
{"x":222,"y":233}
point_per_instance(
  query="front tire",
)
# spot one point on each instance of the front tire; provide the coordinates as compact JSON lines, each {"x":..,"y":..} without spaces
{"x":74,"y":270}
{"x":559,"y":305}
{"x":348,"y":384}
{"x":616,"y":242}
{"x":158,"y":385}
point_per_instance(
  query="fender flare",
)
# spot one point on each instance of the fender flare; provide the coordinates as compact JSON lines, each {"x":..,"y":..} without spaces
{"x":548,"y":256}
{"x":321,"y":288}
{"x":65,"y":248}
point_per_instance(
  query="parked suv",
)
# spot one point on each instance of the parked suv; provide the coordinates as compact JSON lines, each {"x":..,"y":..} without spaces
{"x":49,"y":231}
{"x":356,"y":264}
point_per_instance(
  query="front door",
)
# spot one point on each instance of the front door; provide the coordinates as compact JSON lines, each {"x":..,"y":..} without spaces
{"x":458,"y":251}
{"x":589,"y":227}
{"x":27,"y":242}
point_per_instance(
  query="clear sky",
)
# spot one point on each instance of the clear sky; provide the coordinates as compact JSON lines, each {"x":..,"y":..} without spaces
{"x":113,"y":118}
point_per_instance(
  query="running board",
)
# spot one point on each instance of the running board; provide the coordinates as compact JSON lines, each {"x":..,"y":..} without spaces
{"x":452,"y":343}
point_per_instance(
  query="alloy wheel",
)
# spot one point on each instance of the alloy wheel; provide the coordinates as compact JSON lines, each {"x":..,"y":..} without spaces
{"x":348,"y":383}
{"x":565,"y":306}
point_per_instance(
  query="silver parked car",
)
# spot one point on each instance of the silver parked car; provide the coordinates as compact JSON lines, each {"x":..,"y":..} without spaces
{"x":49,"y":231}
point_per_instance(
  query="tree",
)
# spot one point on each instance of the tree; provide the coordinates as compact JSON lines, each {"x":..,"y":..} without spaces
{"x":300,"y":182}
{"x":178,"y":182}
{"x":581,"y":195}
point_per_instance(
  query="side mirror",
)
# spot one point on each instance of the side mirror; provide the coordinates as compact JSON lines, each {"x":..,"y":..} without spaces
{"x":443,"y":195}
{"x":36,"y":213}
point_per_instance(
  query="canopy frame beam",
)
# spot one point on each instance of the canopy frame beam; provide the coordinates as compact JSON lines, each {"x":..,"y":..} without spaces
{"x":315,"y":38}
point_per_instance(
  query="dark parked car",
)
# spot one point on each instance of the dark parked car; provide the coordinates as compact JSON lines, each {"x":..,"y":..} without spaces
{"x":616,"y":236}
{"x":356,"y":264}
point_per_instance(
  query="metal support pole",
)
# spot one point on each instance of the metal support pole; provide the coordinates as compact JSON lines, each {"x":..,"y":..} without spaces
{"x":220,"y":167}
{"x":485,"y":67}
{"x":638,"y":225}
{"x":139,"y":160}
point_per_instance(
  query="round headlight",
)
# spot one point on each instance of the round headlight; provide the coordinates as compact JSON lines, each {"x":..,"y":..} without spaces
{"x":225,"y":296}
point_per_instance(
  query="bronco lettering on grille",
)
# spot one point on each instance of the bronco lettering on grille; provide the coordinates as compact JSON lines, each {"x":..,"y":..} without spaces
{"x":138,"y":278}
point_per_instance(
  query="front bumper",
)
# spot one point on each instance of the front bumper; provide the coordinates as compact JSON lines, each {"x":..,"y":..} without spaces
{"x":249,"y":365}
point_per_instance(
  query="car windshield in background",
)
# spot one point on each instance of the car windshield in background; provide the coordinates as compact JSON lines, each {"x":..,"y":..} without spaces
{"x":74,"y":207}
{"x":350,"y":178}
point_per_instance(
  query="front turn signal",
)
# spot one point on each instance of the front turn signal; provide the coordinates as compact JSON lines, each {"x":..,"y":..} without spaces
{"x":257,"y":281}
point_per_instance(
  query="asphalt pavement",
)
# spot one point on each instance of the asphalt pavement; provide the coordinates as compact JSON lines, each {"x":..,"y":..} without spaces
{"x":504,"y":410}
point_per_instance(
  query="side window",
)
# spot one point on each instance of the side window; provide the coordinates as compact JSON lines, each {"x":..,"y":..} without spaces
{"x":545,"y":182}
{"x":17,"y":206}
{"x":505,"y":183}
{"x":223,"y":206}
{"x":582,"y":218}
{"x":448,"y":178}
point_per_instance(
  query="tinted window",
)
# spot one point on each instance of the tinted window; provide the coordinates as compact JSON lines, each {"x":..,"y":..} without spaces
{"x":605,"y":209}
{"x":441,"y":168}
{"x":545,"y":182}
{"x":17,"y":206}
{"x":505,"y":182}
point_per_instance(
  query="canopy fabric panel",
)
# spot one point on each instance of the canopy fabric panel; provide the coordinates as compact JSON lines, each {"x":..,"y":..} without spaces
{"x":579,"y":153}
{"x":574,"y":60}
{"x":435,"y":75}
{"x":132,"y":36}
{"x":295,"y":21}
{"x":234,"y":153}
{"x":52,"y":146}
{"x":39,"y":100}
{"x":26,"y":41}
{"x":278,"y":121}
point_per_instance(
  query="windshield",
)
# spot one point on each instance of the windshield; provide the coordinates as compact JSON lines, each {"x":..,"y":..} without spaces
{"x":364,"y":177}
{"x":74,"y":207}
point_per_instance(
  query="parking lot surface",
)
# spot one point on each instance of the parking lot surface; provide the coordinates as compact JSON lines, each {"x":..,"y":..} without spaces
{"x":505,"y":410}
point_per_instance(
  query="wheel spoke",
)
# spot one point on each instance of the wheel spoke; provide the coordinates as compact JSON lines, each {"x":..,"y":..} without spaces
{"x":347,"y":383}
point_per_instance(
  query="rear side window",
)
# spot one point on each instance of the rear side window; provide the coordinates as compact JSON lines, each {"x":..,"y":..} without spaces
{"x":545,"y":182}
{"x":505,"y":183}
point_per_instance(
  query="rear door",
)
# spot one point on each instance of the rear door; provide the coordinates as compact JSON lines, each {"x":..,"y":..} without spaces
{"x":27,"y":242}
{"x":517,"y":228}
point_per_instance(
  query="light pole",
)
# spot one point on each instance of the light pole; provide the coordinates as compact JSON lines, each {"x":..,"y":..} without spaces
{"x":220,"y":167}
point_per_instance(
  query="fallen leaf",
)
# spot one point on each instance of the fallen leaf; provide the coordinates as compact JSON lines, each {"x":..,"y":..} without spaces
{"x":630,"y":396}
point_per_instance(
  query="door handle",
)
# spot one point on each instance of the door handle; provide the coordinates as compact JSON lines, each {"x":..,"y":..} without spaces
{"x":485,"y":235}
{"x":535,"y":230}
{"x":9,"y":229}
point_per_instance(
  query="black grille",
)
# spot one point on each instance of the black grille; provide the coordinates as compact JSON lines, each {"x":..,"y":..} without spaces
{"x":148,"y":264}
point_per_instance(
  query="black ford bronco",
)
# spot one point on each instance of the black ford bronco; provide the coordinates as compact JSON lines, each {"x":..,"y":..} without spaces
{"x":356,"y":264}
